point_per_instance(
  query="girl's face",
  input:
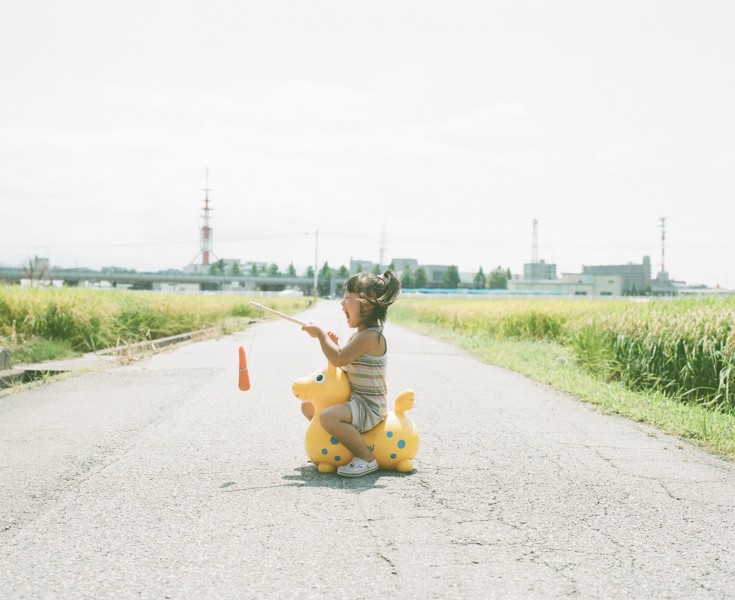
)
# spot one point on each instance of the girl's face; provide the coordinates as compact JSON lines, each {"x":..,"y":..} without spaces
{"x":352,"y":308}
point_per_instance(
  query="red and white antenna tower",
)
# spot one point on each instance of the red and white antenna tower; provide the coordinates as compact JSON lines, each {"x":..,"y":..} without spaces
{"x":205,"y":232}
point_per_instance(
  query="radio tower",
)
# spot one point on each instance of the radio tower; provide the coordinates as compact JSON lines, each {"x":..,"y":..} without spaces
{"x":205,"y":233}
{"x":663,"y":242}
{"x":534,"y":249}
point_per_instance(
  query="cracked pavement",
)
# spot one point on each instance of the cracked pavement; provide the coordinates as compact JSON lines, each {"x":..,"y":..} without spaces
{"x":162,"y":480}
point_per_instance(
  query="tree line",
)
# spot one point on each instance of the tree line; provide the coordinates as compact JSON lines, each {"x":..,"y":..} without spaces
{"x":497,"y":279}
{"x":411,"y":279}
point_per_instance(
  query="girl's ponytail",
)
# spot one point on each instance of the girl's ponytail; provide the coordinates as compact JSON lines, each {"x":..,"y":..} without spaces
{"x":376,"y":292}
{"x":392,"y":287}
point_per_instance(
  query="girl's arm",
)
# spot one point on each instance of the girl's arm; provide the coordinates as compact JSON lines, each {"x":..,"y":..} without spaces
{"x":363,"y":342}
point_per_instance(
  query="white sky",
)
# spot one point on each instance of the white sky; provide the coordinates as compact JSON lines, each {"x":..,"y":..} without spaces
{"x":453,"y":124}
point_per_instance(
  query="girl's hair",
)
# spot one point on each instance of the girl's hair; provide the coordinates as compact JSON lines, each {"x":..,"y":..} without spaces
{"x":376,"y":294}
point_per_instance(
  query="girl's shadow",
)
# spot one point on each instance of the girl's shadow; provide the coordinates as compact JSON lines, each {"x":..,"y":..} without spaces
{"x":309,"y":476}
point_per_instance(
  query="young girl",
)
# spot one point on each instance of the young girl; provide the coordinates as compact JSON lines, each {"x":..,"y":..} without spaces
{"x":365,"y":304}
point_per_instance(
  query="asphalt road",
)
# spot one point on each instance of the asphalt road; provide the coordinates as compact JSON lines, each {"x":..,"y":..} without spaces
{"x":162,"y":480}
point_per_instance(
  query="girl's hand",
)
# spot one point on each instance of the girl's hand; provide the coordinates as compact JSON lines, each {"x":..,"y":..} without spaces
{"x":333,"y":337}
{"x":313,"y":329}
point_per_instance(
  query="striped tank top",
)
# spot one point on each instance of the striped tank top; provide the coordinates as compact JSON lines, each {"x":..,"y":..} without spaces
{"x":368,"y":386}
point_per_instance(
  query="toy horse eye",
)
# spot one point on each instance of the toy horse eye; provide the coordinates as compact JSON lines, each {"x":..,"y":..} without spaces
{"x":320,"y":378}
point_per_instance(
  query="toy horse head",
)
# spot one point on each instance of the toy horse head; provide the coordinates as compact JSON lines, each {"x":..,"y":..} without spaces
{"x":323,"y":388}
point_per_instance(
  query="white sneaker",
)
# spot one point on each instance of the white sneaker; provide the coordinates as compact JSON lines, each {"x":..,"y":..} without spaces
{"x":358,"y":467}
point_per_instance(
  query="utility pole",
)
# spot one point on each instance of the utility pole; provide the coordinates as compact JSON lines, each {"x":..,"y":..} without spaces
{"x":534,"y":251}
{"x":382,"y":248}
{"x":663,"y":243}
{"x":316,"y":263}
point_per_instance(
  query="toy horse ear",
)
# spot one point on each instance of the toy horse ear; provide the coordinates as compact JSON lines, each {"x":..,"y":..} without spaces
{"x":331,"y":369}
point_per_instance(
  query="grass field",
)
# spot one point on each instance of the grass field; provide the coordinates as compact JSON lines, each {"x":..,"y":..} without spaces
{"x":670,"y":363}
{"x":42,"y":324}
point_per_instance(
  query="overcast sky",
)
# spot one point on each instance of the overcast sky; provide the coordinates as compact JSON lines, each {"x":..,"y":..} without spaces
{"x":450,"y":125}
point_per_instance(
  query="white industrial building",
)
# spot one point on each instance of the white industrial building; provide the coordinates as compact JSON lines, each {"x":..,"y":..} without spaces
{"x":571,"y":284}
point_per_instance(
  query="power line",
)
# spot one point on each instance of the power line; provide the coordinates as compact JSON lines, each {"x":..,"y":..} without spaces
{"x":141,"y":244}
{"x":403,"y":238}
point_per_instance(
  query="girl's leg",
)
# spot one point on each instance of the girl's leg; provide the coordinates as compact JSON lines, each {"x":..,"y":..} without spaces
{"x":337,"y":420}
{"x":308,"y":409}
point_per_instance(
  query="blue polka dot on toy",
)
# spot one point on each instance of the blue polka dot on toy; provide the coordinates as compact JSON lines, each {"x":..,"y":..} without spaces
{"x":401,"y":443}
{"x":389,"y":434}
{"x":337,"y":458}
{"x":393,"y":455}
{"x":334,"y":440}
{"x":325,"y":451}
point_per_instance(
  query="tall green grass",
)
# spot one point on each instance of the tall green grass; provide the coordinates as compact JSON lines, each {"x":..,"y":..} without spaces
{"x":683,"y":348}
{"x":88,"y":320}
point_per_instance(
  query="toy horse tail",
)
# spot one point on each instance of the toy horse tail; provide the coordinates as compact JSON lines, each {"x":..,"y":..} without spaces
{"x":403,"y":403}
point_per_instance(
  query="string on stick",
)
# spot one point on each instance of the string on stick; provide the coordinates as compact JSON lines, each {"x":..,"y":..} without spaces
{"x":244,"y":375}
{"x":243,"y":381}
{"x":278,"y":314}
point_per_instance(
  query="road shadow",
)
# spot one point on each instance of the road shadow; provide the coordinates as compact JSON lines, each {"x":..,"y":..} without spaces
{"x":309,"y":476}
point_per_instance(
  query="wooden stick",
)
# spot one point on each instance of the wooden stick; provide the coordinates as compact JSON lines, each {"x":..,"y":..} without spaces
{"x":278,"y":314}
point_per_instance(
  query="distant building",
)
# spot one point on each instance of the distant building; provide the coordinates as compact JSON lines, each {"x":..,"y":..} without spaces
{"x":663,"y":286}
{"x":400,"y":264}
{"x":247,"y":267}
{"x":229,"y":263}
{"x":177,"y":288}
{"x":636,"y":278}
{"x":36,"y":274}
{"x":467,"y":279}
{"x":41,"y":264}
{"x":196,"y":269}
{"x":571,"y":284}
{"x":435,"y":274}
{"x":358,"y":266}
{"x":539,"y":271}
